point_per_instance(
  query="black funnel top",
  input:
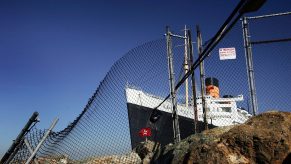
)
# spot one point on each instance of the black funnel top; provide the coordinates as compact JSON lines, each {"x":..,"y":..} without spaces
{"x":211,"y":81}
{"x":227,"y":96}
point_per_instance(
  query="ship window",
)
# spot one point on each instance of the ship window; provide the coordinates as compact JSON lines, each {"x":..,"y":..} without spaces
{"x":226,"y":109}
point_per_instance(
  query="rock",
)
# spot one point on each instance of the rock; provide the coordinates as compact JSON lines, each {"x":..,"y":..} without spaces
{"x":265,"y":138}
{"x":130,"y":158}
{"x":64,"y":160}
{"x":146,"y":150}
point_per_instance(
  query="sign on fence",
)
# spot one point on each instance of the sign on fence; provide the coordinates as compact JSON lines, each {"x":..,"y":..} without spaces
{"x":227,"y":53}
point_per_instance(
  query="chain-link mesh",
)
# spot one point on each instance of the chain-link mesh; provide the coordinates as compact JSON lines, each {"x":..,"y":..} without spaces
{"x":232,"y":82}
{"x":271,"y":46}
{"x":111,"y":122}
{"x":103,"y":126}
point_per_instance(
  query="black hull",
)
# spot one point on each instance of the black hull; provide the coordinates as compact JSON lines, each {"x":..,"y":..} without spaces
{"x":162,"y":130}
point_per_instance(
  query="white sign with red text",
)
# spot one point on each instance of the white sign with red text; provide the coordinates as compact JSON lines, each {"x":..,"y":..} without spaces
{"x":227,"y":53}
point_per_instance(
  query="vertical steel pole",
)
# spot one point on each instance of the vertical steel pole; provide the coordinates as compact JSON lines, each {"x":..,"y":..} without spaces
{"x":250,"y":66}
{"x":190,"y":47}
{"x":202,"y":78}
{"x":176,"y":128}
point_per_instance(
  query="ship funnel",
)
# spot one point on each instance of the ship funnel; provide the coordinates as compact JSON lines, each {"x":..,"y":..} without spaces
{"x":227,"y":96}
{"x":212,"y":87}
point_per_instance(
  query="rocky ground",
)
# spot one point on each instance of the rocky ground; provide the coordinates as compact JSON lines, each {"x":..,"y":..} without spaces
{"x":265,"y":138}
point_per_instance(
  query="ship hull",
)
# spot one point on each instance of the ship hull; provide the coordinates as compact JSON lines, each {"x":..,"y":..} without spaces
{"x":162,"y":130}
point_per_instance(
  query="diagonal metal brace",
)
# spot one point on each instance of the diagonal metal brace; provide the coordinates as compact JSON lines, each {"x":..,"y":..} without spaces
{"x":42,"y":140}
{"x":30,"y":150}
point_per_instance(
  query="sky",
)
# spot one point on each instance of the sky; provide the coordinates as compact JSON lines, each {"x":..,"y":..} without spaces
{"x":54,"y":53}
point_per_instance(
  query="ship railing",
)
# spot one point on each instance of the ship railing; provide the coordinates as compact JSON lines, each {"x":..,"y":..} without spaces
{"x":139,"y":89}
{"x":238,"y":98}
{"x":130,"y":86}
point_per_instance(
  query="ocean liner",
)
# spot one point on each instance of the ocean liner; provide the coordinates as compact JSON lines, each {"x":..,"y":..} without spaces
{"x":220,"y":112}
{"x":147,"y":111}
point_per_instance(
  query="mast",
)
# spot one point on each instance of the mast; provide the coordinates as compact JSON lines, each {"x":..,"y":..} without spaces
{"x":176,"y":128}
{"x":186,"y":67}
{"x":202,"y":77}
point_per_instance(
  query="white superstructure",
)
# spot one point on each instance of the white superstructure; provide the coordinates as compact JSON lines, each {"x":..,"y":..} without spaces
{"x":220,"y":111}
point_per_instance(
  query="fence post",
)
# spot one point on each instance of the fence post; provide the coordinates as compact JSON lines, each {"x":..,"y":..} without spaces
{"x":30,"y":149}
{"x":250,"y":66}
{"x":202,"y":78}
{"x":190,"y":47}
{"x":42,"y":140}
{"x":176,"y":128}
{"x":9,"y":154}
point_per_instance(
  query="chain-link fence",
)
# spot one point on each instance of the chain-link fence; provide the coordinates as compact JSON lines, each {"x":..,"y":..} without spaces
{"x":270,"y":37}
{"x":122,"y":111}
{"x":103,"y":127}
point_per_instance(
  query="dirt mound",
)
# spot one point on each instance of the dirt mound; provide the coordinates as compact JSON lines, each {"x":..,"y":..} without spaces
{"x":265,"y":138}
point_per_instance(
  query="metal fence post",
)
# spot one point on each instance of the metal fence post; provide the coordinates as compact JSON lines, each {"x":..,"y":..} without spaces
{"x":176,"y":128}
{"x":42,"y":140}
{"x":18,"y":141}
{"x":30,"y":149}
{"x":191,"y":54}
{"x":250,"y":66}
{"x":202,"y":78}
